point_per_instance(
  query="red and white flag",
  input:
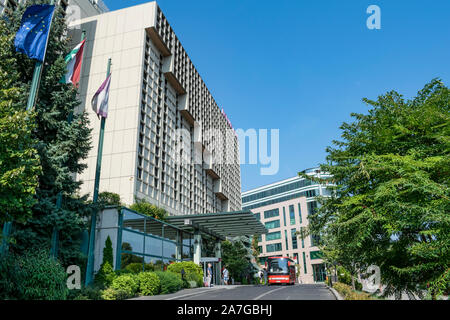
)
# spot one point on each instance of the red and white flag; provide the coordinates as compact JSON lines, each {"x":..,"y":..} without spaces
{"x":73,"y":65}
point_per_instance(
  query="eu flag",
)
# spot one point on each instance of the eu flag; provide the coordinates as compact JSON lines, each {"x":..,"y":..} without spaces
{"x":31,"y":39}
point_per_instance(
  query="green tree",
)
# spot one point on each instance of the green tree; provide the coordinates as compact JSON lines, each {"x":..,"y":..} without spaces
{"x":144,"y":207}
{"x":61,"y":144}
{"x":109,"y":199}
{"x":390,"y":202}
{"x":234,"y":255}
{"x":255,"y":247}
{"x":108,"y":252}
{"x":19,"y":160}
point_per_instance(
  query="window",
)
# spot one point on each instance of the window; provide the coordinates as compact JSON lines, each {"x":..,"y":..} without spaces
{"x":286,"y":239}
{"x":315,"y":240}
{"x":304,"y":262}
{"x":273,"y":236}
{"x":258,"y":216}
{"x":284,"y":216}
{"x":273,"y":224}
{"x":273,"y":247}
{"x":292,"y":214}
{"x":302,"y":236}
{"x":271,"y":213}
{"x":312,"y":206}
{"x":299,"y":213}
{"x":294,"y":238}
{"x":263,"y":194}
{"x":311,"y":193}
{"x":315,"y":255}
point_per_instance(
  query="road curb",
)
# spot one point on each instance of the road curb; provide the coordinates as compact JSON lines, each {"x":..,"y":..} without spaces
{"x":335,"y":293}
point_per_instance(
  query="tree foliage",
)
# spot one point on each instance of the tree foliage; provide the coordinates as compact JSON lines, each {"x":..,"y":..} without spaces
{"x":61,"y":144}
{"x":19,"y":160}
{"x":390,"y":202}
{"x":234,"y":256}
{"x":145,"y":207}
{"x":109,"y":199}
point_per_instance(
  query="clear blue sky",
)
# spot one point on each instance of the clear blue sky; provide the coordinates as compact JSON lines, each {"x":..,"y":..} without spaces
{"x":304,"y":66}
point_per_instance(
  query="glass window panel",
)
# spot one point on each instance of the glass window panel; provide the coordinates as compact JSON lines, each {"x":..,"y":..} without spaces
{"x":292,"y":214}
{"x":127,"y":258}
{"x":132,"y":241}
{"x":153,"y":246}
{"x":299,"y":213}
{"x":294,"y":238}
{"x":187,"y":238}
{"x":170,"y":233}
{"x":153,"y":227}
{"x":273,"y":247}
{"x":187,"y":252}
{"x":271,"y":213}
{"x":273,"y":236}
{"x":273,"y":224}
{"x":169,"y":249}
{"x":133,"y":221}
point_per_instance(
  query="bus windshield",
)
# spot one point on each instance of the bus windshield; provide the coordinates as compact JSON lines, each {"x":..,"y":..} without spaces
{"x":279,"y":265}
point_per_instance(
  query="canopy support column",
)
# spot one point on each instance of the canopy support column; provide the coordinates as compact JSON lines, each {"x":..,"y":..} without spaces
{"x":197,"y":247}
{"x":218,"y":253}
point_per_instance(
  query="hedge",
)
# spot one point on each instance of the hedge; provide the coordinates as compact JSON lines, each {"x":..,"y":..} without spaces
{"x":149,"y":283}
{"x":170,"y":282}
{"x":126,"y":285}
{"x":192,"y":272}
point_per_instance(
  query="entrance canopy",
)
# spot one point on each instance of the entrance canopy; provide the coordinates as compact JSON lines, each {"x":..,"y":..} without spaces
{"x":220,"y":225}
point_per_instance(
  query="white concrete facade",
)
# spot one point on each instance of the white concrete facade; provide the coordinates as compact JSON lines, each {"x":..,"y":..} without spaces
{"x":155,"y":91}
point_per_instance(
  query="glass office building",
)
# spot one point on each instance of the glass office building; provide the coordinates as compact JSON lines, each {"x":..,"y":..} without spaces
{"x":283,"y":207}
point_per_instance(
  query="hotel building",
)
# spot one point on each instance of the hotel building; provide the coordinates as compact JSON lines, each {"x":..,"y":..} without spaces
{"x":283,"y":207}
{"x":155,"y":93}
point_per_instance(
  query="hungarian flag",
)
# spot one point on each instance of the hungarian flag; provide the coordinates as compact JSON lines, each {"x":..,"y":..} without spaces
{"x":73,"y":65}
{"x":100,"y":100}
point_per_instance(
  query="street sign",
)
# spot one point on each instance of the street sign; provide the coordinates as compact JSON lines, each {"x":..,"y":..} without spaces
{"x":209,"y":259}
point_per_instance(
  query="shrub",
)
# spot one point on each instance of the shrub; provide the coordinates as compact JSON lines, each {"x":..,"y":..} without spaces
{"x":149,"y":283}
{"x":188,"y":266}
{"x":122,"y":271}
{"x":196,"y":278}
{"x":192,"y":272}
{"x":126,"y":285}
{"x":136,"y":267}
{"x":349,"y":294}
{"x":345,"y":277}
{"x":10,"y":275}
{"x":170,"y":281}
{"x":41,"y":277}
{"x":105,"y":275}
{"x":114,"y":294}
{"x":342,"y":288}
{"x":86,"y":293}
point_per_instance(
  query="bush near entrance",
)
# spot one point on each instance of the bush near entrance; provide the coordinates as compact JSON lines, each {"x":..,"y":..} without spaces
{"x":170,"y":282}
{"x":149,"y":283}
{"x":192,"y":272}
{"x":349,"y":294}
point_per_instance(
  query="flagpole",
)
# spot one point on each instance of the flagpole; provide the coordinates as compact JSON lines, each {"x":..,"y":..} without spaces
{"x":90,"y":262}
{"x":55,"y":232}
{"x":39,"y":66}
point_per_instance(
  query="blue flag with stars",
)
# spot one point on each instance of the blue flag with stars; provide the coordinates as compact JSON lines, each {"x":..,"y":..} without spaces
{"x":31,"y":39}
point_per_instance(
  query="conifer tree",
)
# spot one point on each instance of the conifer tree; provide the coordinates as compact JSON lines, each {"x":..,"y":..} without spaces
{"x":61,"y":144}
